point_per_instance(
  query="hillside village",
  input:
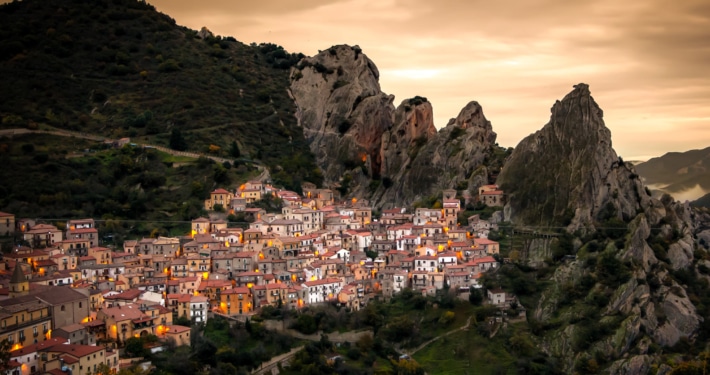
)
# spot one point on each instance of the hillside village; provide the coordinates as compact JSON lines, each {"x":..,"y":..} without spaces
{"x":67,"y":303}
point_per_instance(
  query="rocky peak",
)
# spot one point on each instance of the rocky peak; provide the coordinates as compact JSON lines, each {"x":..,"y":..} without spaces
{"x":422,"y":163}
{"x":414,"y":119}
{"x":567,"y":173}
{"x":370,"y":149}
{"x":341,"y":108}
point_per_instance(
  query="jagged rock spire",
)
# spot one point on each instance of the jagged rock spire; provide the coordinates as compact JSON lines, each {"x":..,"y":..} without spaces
{"x":567,"y":173}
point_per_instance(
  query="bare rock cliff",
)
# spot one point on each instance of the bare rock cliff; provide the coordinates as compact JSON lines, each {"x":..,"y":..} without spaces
{"x":341,"y":108}
{"x":567,"y":172}
{"x":370,"y":149}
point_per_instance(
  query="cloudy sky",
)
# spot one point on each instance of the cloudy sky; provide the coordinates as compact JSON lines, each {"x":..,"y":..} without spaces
{"x":647,"y":61}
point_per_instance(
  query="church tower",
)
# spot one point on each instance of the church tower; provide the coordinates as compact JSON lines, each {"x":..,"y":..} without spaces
{"x":19,"y":286}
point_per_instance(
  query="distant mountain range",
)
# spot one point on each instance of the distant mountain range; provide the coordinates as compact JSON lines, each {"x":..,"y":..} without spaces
{"x":684,"y":175}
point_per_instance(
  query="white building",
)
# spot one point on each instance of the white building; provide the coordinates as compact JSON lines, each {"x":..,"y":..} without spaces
{"x":322,"y":290}
{"x":198,"y":309}
{"x":426,"y":263}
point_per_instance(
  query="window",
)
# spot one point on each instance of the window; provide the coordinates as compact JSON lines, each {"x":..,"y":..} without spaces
{"x":62,"y":308}
{"x":79,"y":304}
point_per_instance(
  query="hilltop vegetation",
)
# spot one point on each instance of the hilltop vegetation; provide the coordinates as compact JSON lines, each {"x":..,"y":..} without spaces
{"x":59,"y":178}
{"x":118,"y":68}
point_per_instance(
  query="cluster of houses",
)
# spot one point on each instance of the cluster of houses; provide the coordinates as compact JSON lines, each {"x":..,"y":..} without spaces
{"x":66,"y":301}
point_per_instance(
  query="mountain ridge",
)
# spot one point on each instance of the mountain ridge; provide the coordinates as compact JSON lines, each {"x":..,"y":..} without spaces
{"x":684,"y":175}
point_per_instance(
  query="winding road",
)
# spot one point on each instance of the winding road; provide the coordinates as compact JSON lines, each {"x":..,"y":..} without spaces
{"x":98,"y":138}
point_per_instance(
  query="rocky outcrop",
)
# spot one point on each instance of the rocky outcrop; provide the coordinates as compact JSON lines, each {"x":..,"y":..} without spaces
{"x":370,"y":149}
{"x":342,"y":110}
{"x":640,"y":364}
{"x":429,"y":162}
{"x":204,"y":33}
{"x":567,"y":173}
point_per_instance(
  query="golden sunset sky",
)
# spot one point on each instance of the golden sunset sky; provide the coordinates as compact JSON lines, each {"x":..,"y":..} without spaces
{"x":647,"y":61}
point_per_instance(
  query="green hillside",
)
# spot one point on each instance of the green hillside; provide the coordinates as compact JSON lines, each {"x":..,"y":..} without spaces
{"x":138,"y":190}
{"x":119,"y":68}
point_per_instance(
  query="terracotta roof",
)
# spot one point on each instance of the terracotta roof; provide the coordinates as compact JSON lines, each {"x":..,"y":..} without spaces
{"x":75,"y":350}
{"x":130,"y":294}
{"x":176,"y":329}
{"x":121,"y":313}
{"x":82,"y":231}
{"x":72,"y":327}
{"x":35,"y":347}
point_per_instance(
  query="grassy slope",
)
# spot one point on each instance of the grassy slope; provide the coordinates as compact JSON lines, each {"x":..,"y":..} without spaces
{"x":119,"y":68}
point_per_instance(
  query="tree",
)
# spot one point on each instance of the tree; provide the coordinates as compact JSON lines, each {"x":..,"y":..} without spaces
{"x":475,"y":297}
{"x":135,"y":347}
{"x":177,"y":142}
{"x":234,"y":150}
{"x":103,"y":369}
{"x":5,"y":347}
{"x":183,"y":321}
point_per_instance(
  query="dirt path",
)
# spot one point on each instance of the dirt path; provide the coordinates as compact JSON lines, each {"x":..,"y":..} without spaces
{"x":67,"y":133}
{"x":422,"y":346}
{"x":267,"y":367}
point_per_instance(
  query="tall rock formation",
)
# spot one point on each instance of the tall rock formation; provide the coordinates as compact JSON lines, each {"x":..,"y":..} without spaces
{"x":420,"y":164}
{"x":342,"y":109}
{"x":567,"y":173}
{"x":633,"y":281}
{"x":370,"y":149}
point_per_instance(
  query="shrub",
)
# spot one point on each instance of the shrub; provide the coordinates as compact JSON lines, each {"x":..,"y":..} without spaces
{"x":447,"y":317}
{"x":353,"y":354}
{"x":475,"y":297}
{"x":305,"y":324}
{"x":169,"y":65}
{"x":456,"y":132}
